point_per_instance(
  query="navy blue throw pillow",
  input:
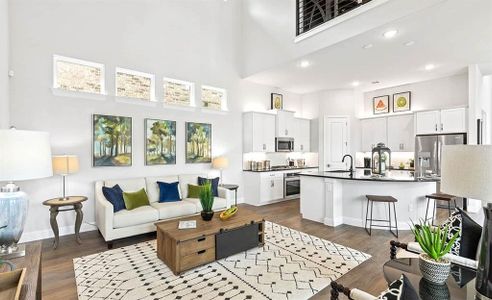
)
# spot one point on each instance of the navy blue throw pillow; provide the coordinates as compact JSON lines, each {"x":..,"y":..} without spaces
{"x":168,"y":192}
{"x":115,"y":196}
{"x":213,"y":181}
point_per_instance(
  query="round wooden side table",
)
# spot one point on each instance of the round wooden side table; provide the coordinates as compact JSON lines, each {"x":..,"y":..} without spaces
{"x":55,"y":205}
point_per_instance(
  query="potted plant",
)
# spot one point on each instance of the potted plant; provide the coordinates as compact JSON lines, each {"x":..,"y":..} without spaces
{"x":207,"y":202}
{"x":434,"y":243}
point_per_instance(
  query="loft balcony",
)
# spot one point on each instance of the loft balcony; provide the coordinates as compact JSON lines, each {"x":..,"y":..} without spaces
{"x":313,"y":13}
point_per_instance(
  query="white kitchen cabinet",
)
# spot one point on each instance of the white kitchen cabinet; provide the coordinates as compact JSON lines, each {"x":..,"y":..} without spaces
{"x":441,"y":121}
{"x":427,"y":122}
{"x":453,"y":120}
{"x":401,"y":135}
{"x":271,"y":186}
{"x":285,"y":124}
{"x":258,"y":132}
{"x":302,"y":135}
{"x":373,"y":131}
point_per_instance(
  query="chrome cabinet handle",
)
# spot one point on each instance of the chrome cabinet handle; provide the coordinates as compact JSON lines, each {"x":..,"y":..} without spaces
{"x":436,"y":127}
{"x":272,"y":183}
{"x":264,"y":146}
{"x":286,"y":132}
{"x":442,"y":127}
{"x":302,"y":147}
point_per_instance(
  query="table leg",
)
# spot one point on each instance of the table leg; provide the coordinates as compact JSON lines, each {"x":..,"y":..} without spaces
{"x":78,"y":221}
{"x":235,"y":197}
{"x":54,"y":225}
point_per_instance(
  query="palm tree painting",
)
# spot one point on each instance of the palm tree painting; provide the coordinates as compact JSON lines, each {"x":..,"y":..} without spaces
{"x":111,"y":140}
{"x":198,"y":143}
{"x":160,"y":142}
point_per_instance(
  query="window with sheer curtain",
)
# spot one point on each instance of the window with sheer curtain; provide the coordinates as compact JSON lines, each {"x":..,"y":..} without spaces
{"x":76,"y":75}
{"x":135,"y":84}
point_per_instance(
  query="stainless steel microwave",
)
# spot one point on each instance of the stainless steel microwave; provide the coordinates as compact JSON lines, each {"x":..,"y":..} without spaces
{"x":284,"y":144}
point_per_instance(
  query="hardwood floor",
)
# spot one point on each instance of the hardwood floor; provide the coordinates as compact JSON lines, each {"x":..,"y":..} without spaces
{"x":59,"y":280}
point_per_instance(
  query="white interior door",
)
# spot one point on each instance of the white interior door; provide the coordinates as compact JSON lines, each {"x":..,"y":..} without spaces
{"x":336,"y":137}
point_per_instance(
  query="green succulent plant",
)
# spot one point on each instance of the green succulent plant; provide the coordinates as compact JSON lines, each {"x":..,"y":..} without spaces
{"x":433,"y":239}
{"x":206,"y":197}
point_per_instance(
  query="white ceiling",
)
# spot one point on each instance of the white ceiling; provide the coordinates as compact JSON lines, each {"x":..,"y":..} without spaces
{"x":450,"y":35}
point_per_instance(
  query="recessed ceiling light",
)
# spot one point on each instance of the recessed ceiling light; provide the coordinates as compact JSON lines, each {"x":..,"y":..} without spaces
{"x":390,"y":33}
{"x":430,"y":67}
{"x":367,"y":46}
{"x":375,"y":82}
{"x":409,"y":43}
{"x":355,"y":83}
{"x":304,"y":64}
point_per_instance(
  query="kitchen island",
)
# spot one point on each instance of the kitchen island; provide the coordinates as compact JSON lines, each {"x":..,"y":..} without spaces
{"x":336,"y":198}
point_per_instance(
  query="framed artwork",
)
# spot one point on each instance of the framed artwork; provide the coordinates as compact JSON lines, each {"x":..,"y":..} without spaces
{"x":277,"y":101}
{"x":198,"y":143}
{"x":111,"y":141}
{"x":160,"y":142}
{"x":401,"y":101}
{"x":380,"y":105}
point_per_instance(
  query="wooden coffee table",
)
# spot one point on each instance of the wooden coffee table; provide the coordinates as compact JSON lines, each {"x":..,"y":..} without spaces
{"x":184,"y":249}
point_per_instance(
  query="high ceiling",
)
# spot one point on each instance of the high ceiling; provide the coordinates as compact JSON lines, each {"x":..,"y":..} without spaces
{"x":450,"y":35}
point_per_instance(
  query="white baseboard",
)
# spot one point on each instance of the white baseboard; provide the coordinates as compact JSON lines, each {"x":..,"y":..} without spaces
{"x":333,"y":222}
{"x":360,"y":223}
{"x":48,"y":233}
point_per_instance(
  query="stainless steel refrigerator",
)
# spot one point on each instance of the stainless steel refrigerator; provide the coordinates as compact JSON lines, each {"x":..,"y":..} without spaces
{"x":428,"y":151}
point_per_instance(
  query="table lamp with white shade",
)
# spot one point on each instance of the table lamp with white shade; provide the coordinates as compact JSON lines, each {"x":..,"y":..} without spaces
{"x":220,"y":163}
{"x":466,"y":171}
{"x":65,"y":165}
{"x":24,"y":155}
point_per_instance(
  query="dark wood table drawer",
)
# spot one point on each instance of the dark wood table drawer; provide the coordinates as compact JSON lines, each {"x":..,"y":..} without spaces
{"x":198,"y":258}
{"x":192,"y":246}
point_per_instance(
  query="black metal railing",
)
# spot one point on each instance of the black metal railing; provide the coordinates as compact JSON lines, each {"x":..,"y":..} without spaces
{"x":312,"y":13}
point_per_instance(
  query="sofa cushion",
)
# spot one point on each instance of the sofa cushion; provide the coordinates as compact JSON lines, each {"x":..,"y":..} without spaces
{"x":194,"y":191}
{"x":168,"y":192}
{"x":219,"y":203}
{"x":115,"y":196}
{"x":140,"y":215}
{"x":127,"y":185}
{"x":168,"y":210}
{"x":213,"y":181}
{"x":135,"y":199}
{"x":153,"y":188}
{"x":184,"y":180}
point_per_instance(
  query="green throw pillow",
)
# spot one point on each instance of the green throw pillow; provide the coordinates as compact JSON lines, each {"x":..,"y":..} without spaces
{"x":135,"y":199}
{"x":194,"y":191}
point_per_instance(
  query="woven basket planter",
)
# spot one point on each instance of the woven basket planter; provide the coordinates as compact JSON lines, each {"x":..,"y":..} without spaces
{"x":433,"y":271}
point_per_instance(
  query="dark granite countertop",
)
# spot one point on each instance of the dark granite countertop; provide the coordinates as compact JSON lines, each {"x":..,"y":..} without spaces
{"x":366,"y":175}
{"x":281,"y":170}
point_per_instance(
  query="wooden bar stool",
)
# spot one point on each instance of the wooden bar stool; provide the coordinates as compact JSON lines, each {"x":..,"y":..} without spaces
{"x":381,"y":199}
{"x":441,"y":197}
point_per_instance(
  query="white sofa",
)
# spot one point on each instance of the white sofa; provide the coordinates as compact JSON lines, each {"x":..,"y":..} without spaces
{"x":125,"y":223}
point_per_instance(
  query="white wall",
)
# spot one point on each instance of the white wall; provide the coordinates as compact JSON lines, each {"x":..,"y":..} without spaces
{"x":333,"y":103}
{"x":439,"y":93}
{"x":185,"y":39}
{"x":480,"y":98}
{"x":4,"y":65}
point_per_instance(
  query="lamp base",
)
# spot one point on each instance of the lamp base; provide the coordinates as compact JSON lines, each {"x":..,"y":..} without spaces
{"x":12,"y":251}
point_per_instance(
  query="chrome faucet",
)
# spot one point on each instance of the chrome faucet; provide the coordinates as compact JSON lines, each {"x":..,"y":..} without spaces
{"x":351,"y":161}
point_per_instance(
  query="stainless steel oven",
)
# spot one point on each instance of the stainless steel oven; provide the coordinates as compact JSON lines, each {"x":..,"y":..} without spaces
{"x":292,"y":185}
{"x":284,"y":144}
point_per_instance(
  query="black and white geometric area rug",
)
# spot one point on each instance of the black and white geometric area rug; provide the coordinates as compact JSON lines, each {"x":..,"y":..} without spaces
{"x":291,"y":265}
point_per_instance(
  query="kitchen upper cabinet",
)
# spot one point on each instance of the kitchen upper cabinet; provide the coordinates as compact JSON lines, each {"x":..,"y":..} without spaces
{"x":258,"y":132}
{"x":271,"y":186}
{"x":427,"y":122}
{"x":302,"y":135}
{"x":453,"y":120}
{"x":285,"y":124}
{"x":441,"y":121}
{"x":373,"y":131}
{"x":401,"y":135}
